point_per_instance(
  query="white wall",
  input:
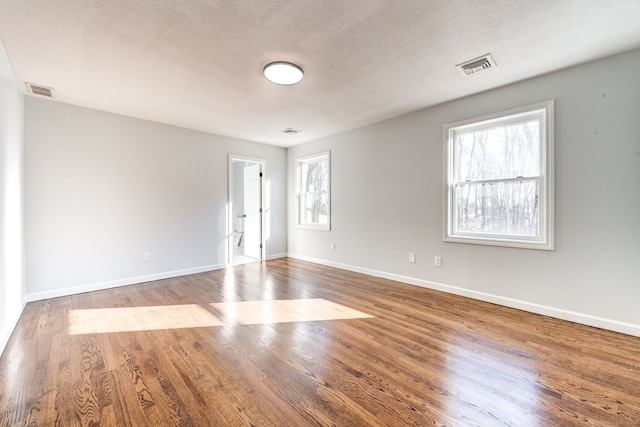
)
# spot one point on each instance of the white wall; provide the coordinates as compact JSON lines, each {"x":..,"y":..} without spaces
{"x":100,"y":189}
{"x":11,"y":205}
{"x":387,"y":197}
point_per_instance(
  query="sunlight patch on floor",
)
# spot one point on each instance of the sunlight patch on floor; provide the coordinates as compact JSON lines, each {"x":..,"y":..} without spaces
{"x":143,"y":318}
{"x":124,"y":319}
{"x":283,"y":311}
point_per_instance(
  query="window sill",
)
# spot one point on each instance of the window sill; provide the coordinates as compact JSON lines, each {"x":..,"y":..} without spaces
{"x":509,"y":243}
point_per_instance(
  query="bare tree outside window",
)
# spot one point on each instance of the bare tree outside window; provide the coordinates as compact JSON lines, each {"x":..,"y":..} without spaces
{"x":499,"y":179}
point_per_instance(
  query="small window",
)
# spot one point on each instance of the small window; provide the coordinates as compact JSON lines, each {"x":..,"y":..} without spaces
{"x":313,"y":193}
{"x":499,"y":175}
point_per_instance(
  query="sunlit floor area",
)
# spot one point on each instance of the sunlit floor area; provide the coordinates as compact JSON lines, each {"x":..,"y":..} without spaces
{"x":291,"y":343}
{"x":240,"y":258}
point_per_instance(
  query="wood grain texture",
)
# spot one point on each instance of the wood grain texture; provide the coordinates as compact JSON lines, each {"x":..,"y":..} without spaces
{"x":424,"y":358}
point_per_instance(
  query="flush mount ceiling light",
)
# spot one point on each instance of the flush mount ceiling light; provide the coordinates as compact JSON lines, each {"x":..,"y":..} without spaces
{"x":283,"y":73}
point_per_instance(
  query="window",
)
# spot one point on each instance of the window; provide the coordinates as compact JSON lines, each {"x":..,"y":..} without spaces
{"x":314,"y":191}
{"x":499,"y":175}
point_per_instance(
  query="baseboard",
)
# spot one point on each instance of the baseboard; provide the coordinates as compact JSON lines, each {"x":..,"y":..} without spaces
{"x":558,"y":313}
{"x":11,"y":325}
{"x":276,"y":256}
{"x":37,"y":296}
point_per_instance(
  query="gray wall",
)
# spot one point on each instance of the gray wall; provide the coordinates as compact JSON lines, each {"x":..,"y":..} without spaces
{"x":100,"y":189}
{"x":11,"y":203}
{"x":387,"y":201}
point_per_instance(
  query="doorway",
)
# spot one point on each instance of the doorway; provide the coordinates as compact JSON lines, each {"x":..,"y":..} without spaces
{"x":246,"y":210}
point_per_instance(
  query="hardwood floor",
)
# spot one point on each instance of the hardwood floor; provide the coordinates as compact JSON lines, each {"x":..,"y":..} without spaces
{"x":191,"y":351}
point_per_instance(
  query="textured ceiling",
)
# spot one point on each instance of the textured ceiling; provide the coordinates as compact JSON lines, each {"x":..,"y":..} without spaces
{"x":198,"y":63}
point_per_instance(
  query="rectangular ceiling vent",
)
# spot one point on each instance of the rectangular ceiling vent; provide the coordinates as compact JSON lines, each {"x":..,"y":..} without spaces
{"x":476,"y":65}
{"x":290,"y":131}
{"x":40,"y":90}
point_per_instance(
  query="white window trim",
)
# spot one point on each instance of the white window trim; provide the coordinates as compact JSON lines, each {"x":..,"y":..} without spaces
{"x":547,"y":198}
{"x":326,"y":155}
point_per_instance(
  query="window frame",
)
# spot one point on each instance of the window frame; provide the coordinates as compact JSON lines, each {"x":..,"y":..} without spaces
{"x":542,"y":111}
{"x":300,"y":161}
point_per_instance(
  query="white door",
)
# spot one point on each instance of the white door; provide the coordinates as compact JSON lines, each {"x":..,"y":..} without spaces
{"x":253,"y":211}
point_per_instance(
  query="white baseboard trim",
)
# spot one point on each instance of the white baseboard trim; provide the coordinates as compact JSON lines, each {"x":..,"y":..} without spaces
{"x":558,"y":313}
{"x":37,"y":296}
{"x":10,"y":326}
{"x":276,"y":256}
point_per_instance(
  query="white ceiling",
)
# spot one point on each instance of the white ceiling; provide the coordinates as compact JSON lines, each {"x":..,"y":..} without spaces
{"x":198,"y":63}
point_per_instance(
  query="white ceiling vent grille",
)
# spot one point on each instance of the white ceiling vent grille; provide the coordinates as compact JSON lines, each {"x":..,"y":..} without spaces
{"x":40,"y":90}
{"x":290,"y":131}
{"x":477,"y":64}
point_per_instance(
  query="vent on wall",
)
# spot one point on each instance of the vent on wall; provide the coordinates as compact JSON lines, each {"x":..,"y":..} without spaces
{"x":40,"y":90}
{"x":476,"y":65}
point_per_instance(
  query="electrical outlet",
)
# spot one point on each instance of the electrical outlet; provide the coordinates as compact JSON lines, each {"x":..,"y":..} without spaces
{"x":412,"y":257}
{"x":437,"y":261}
{"x":333,"y":246}
{"x":146,"y":256}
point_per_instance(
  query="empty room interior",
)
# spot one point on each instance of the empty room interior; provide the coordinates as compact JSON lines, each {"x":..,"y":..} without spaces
{"x":320,"y":213}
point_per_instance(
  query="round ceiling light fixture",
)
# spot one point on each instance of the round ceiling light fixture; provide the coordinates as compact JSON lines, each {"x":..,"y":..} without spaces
{"x":283,"y":73}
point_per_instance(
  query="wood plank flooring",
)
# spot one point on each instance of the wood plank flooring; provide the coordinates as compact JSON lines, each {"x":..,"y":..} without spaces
{"x":190,"y":351}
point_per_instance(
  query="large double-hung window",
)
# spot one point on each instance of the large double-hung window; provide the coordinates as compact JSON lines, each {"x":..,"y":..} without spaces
{"x":313,"y":192}
{"x":499,"y":179}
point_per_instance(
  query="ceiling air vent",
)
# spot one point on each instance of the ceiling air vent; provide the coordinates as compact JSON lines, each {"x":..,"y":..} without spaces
{"x":290,"y":131}
{"x":476,"y":65}
{"x":40,"y":90}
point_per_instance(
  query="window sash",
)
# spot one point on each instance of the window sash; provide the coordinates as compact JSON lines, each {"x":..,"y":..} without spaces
{"x":509,"y":203}
{"x":307,"y":214}
{"x":497,"y":155}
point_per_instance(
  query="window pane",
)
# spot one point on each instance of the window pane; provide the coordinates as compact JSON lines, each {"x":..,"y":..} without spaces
{"x":506,"y":208}
{"x":500,"y":152}
{"x":314,"y":208}
{"x":315,"y":177}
